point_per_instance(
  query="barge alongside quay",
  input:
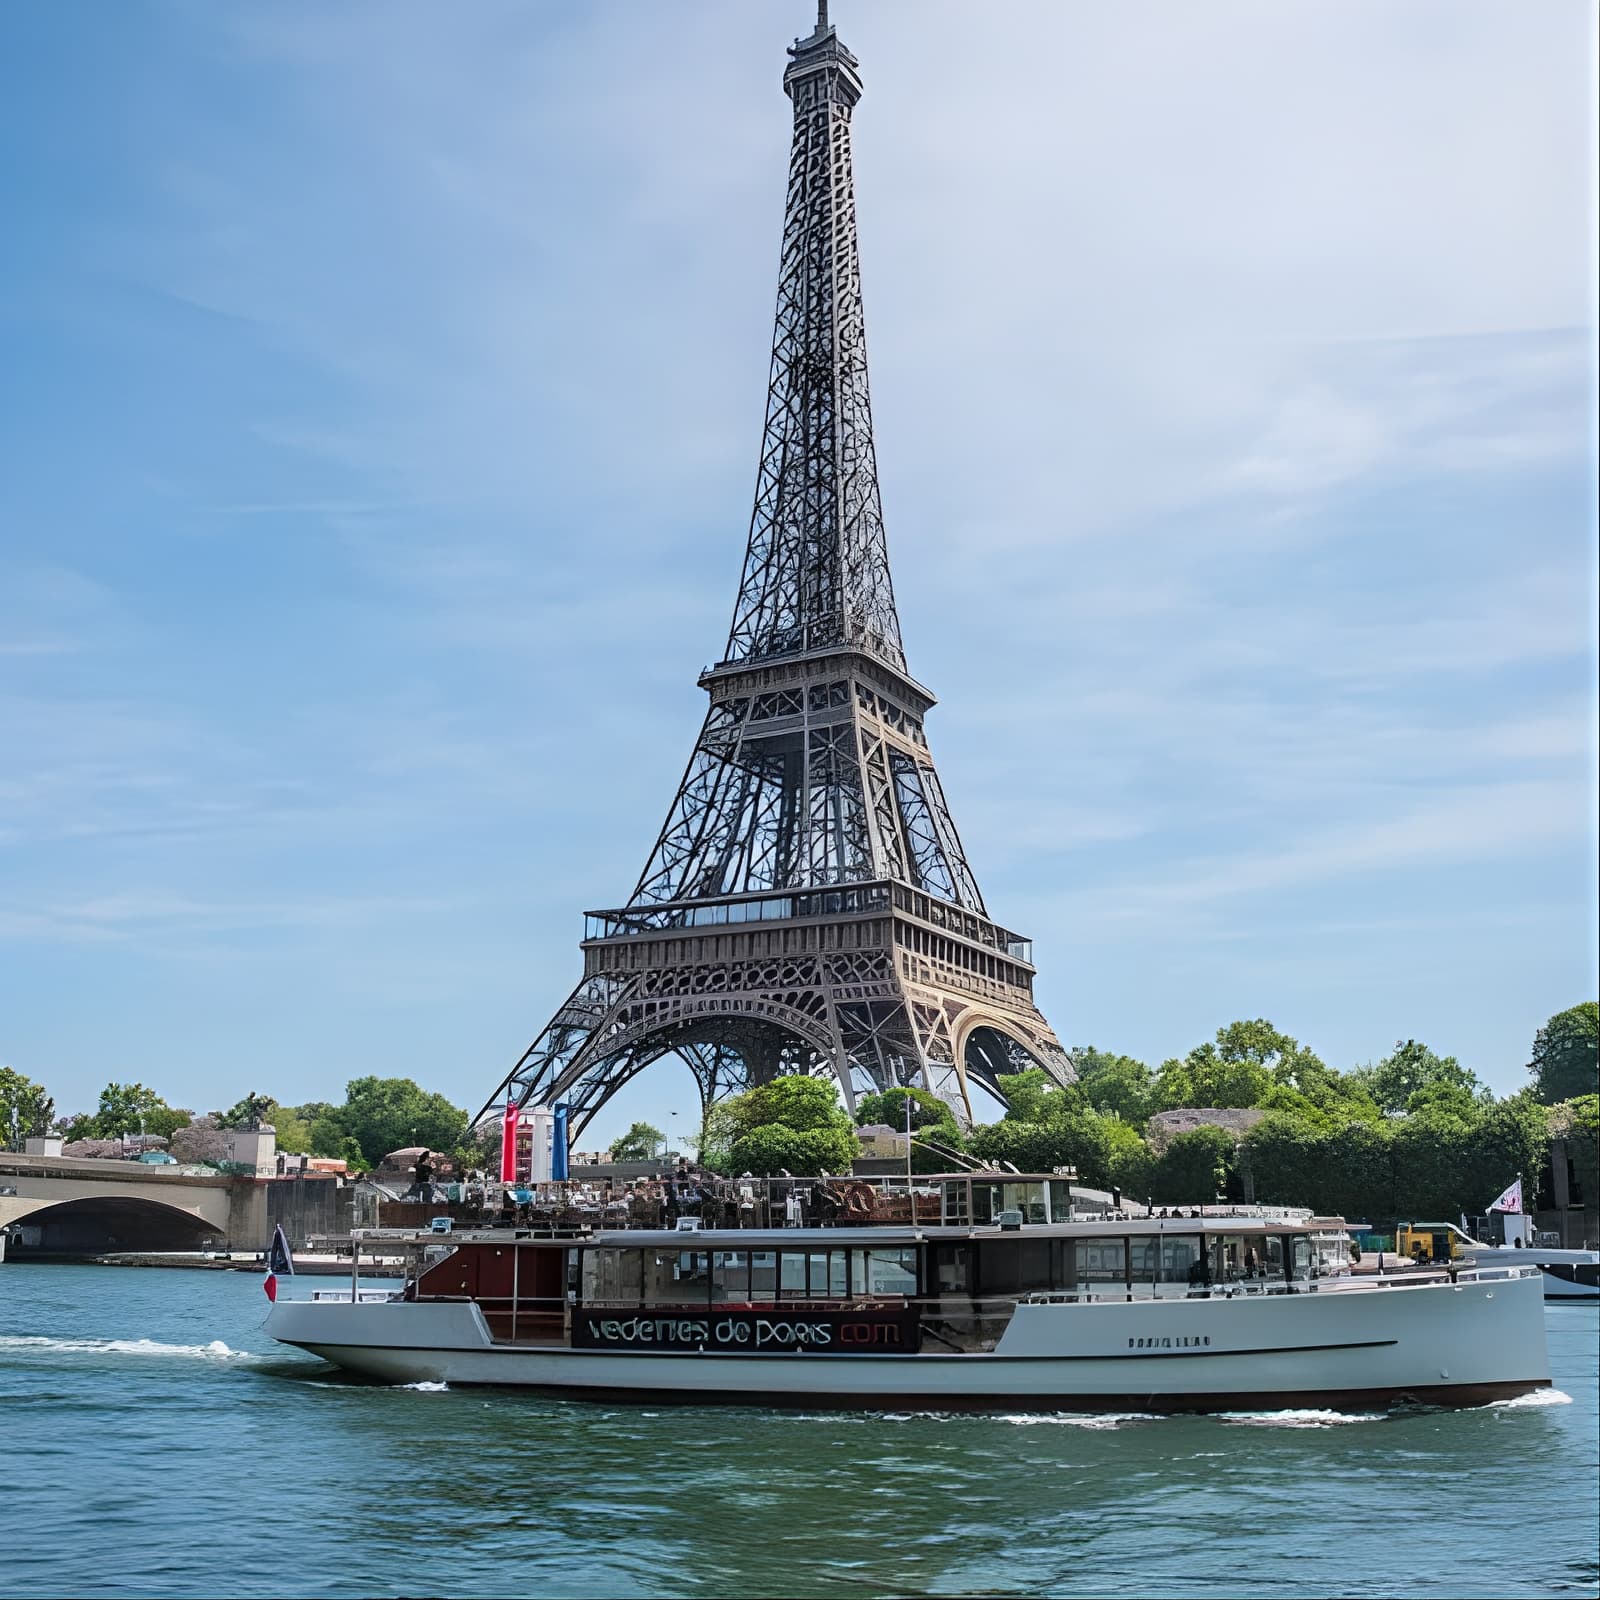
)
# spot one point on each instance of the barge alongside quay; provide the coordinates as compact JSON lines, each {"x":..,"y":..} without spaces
{"x":1114,"y":1313}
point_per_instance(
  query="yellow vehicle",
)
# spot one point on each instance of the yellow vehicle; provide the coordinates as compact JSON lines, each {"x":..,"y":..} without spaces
{"x":1429,"y":1241}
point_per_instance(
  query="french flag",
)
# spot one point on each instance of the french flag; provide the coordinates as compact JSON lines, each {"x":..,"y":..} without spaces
{"x":278,"y":1260}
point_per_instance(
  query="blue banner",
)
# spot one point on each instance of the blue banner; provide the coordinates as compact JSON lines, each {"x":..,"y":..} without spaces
{"x":558,"y":1142}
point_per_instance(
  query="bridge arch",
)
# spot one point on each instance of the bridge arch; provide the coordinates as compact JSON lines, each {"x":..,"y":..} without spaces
{"x":105,"y":1224}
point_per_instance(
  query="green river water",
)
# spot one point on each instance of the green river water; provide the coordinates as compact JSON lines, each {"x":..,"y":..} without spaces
{"x":155,"y":1442}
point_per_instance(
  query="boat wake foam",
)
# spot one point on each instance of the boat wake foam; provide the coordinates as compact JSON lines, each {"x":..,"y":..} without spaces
{"x":1098,"y":1420}
{"x":215,"y":1351}
{"x":426,"y":1387}
{"x":1309,"y":1418}
{"x":1535,"y":1397}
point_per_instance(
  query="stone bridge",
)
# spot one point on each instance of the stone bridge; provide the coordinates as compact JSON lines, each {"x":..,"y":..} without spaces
{"x":58,"y":1205}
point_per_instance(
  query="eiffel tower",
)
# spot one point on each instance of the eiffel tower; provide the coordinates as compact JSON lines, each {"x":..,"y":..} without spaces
{"x":808,"y":906}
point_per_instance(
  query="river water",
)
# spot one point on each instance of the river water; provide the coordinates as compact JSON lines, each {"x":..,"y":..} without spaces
{"x":155,"y":1442}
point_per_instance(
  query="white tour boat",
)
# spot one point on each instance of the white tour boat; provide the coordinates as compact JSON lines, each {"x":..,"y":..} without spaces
{"x":1151,"y":1313}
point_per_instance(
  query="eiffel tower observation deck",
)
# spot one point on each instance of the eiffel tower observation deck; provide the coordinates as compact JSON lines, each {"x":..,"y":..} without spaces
{"x":808,"y":905}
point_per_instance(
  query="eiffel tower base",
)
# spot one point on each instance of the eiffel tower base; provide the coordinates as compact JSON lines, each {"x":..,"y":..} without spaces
{"x":866,"y":996}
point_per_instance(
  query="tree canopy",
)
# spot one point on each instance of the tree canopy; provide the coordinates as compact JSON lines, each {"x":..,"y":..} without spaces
{"x":639,"y":1143}
{"x":794,"y":1123}
{"x":384,"y":1114}
{"x":933,"y":1123}
{"x":26,"y":1108}
{"x":126,"y":1108}
{"x":1115,"y":1085}
{"x":1566,"y":1054}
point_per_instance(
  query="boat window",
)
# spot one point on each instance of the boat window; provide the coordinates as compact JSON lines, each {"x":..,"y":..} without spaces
{"x":1101,"y":1260}
{"x":950,"y":1268}
{"x":1028,"y":1198}
{"x":1234,"y":1258}
{"x":956,"y":1208}
{"x":613,"y":1277}
{"x":730,"y":1276}
{"x":883,"y":1272}
{"x":1272,"y":1256}
{"x":825,"y":1274}
{"x":1061,"y":1201}
{"x":1167,"y":1258}
{"x":1014,"y":1266}
{"x":983,"y":1203}
{"x":792,"y":1275}
{"x":763,"y":1275}
{"x":1301,"y":1247}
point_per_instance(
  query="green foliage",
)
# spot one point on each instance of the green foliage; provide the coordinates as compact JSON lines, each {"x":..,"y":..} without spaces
{"x":129,"y":1108}
{"x":250,"y":1112}
{"x":639,"y":1143}
{"x":931,"y":1120}
{"x":1409,"y":1070}
{"x":772,"y":1147}
{"x":294,"y":1132}
{"x":1203,"y":1078}
{"x":1566,"y":1054}
{"x":1578,"y":1123}
{"x":1451,"y":1154}
{"x":1045,"y":1127}
{"x":26,"y":1109}
{"x":478,"y":1150}
{"x":1193,"y":1169}
{"x":261,"y":1110}
{"x":380,"y":1115}
{"x":1115,"y":1085}
{"x":794,"y":1122}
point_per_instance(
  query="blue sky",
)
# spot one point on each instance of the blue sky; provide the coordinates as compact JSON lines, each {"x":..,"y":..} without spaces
{"x":379,"y":404}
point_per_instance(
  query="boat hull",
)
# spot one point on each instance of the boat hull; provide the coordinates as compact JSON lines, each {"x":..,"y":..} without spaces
{"x":1455,"y":1344}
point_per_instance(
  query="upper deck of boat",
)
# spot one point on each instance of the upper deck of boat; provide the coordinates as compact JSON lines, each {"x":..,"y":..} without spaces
{"x":889,"y":1234}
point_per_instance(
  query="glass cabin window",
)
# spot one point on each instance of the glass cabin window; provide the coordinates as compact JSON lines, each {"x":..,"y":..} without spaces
{"x":1164,"y":1258}
{"x":950,"y":1269}
{"x":730,"y":1276}
{"x":1101,"y":1260}
{"x":825,"y":1275}
{"x":613,"y":1277}
{"x":763,"y":1275}
{"x":875,"y":1272}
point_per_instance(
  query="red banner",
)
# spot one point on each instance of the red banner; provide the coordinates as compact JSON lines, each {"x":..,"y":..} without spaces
{"x":508,"y":1144}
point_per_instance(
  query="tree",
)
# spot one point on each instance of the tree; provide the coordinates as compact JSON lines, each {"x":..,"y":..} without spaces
{"x":1204,"y":1078}
{"x":131,"y":1108}
{"x":293,"y":1131}
{"x":790,"y":1105}
{"x":384,"y":1114}
{"x":1566,"y":1054}
{"x":932,"y":1123}
{"x":251,"y":1112}
{"x":25,"y":1108}
{"x":1115,"y":1084}
{"x":1193,"y":1169}
{"x":806,"y":1152}
{"x":639,"y":1143}
{"x":1411,"y":1068}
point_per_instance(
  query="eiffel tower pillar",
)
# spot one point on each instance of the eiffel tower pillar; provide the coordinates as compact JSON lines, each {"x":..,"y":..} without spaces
{"x":808,"y":905}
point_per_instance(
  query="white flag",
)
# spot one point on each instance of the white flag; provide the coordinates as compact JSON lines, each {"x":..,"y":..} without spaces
{"x":1511,"y":1200}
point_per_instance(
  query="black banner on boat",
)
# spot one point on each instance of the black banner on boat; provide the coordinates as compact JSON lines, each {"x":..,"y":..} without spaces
{"x":767,"y":1332}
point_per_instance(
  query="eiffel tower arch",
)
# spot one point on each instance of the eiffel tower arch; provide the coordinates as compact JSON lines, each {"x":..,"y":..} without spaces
{"x":808,"y":905}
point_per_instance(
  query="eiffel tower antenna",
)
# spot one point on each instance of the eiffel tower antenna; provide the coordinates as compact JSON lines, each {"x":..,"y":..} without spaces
{"x":808,"y":905}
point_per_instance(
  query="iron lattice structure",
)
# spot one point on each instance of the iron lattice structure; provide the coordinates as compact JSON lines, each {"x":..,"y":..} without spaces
{"x":808,"y":906}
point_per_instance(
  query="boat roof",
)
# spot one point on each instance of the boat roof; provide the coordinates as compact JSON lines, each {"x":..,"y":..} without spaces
{"x":904,"y":1233}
